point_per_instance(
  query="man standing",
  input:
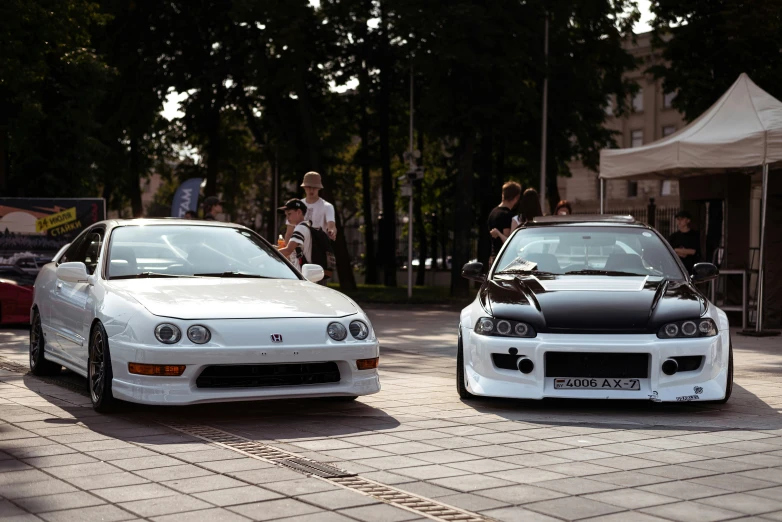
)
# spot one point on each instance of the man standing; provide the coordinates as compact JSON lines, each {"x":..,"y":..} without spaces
{"x":500,"y":218}
{"x":300,"y":243}
{"x":212,"y":207}
{"x":686,"y":242}
{"x":318,"y":211}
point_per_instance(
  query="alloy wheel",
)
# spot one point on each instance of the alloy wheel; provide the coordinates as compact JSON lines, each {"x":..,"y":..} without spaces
{"x":97,"y":371}
{"x":36,"y":334}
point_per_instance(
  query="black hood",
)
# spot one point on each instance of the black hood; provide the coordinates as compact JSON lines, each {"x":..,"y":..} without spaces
{"x":577,"y":303}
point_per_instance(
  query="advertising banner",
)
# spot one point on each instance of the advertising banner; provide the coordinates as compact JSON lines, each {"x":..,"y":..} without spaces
{"x":38,"y":227}
{"x":186,"y":198}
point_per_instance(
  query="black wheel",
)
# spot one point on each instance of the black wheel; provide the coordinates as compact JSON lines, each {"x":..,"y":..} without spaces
{"x":729,"y":385}
{"x":99,"y":374}
{"x":38,"y":363}
{"x":461,"y":378}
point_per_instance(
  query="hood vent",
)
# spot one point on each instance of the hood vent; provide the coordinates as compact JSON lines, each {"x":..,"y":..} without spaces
{"x":594,"y":284}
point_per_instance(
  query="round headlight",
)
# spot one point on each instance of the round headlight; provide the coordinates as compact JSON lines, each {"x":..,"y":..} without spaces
{"x":486,"y":324}
{"x":337,"y":331}
{"x":199,"y":334}
{"x":168,"y":333}
{"x":671,"y":330}
{"x":503,"y":327}
{"x":689,"y":328}
{"x":359,"y":330}
{"x":521,"y":329}
{"x":706,"y":327}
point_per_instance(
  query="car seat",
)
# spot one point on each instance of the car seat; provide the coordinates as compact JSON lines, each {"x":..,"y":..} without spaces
{"x":623,"y":262}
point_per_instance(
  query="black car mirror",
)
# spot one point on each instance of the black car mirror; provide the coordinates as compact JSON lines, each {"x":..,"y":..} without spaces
{"x":474,"y":272}
{"x":703,"y":272}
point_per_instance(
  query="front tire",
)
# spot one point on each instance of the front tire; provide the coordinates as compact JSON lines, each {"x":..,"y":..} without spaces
{"x":99,"y":374}
{"x":729,"y":384}
{"x":461,"y":377}
{"x":38,"y":364}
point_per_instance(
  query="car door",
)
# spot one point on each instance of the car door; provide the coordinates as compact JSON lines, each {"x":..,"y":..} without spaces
{"x":70,"y":301}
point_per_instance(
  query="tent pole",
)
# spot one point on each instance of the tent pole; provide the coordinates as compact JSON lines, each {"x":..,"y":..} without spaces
{"x":602,"y":195}
{"x":763,"y":202}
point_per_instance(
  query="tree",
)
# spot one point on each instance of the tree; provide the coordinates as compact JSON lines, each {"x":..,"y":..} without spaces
{"x":707,"y":44}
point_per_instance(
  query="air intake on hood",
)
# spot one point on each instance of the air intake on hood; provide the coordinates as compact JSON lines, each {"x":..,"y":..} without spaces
{"x":594,"y":284}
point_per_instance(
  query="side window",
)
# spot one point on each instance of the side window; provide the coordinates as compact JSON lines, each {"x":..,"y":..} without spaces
{"x":91,"y":247}
{"x":72,"y":253}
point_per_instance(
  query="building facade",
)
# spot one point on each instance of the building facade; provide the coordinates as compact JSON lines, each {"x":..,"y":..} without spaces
{"x":652,"y":117}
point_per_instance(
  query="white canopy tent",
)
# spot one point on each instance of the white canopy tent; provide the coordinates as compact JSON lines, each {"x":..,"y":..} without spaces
{"x":741,"y":131}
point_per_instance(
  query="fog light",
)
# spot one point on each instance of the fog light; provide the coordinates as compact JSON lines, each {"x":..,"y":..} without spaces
{"x":367,"y":364}
{"x":157,"y":369}
{"x":525,"y":365}
{"x":670,"y":367}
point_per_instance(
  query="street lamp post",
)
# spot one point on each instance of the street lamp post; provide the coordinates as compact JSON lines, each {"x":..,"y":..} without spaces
{"x":410,"y":205}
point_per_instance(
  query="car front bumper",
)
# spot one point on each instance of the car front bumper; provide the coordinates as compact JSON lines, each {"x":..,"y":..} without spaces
{"x":708,"y":382}
{"x":181,"y":390}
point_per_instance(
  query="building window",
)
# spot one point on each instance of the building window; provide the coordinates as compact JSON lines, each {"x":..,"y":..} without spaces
{"x":668,"y":130}
{"x":638,"y":101}
{"x":632,"y":189}
{"x":665,"y":188}
{"x":636,"y":138}
{"x":668,"y":98}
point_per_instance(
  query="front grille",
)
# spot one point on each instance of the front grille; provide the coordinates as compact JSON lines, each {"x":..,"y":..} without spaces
{"x":579,"y":364}
{"x":262,"y":375}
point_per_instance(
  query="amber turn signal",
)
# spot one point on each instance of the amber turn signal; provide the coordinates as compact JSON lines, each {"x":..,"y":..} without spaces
{"x":367,"y":364}
{"x":156,"y":369}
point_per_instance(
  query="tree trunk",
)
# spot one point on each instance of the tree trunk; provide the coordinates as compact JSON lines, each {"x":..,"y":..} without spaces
{"x":552,"y":188}
{"x":420,"y":224}
{"x":370,"y":266}
{"x":388,"y":242}
{"x":134,"y":178}
{"x":463,"y":216}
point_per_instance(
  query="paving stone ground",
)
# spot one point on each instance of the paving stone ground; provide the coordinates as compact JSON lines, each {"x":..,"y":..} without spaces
{"x":505,"y":459}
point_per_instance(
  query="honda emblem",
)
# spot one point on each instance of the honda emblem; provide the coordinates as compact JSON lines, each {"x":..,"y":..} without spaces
{"x":276,"y":338}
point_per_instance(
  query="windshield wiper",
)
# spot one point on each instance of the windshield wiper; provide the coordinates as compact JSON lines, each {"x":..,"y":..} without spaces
{"x":146,"y":275}
{"x":602,"y":272}
{"x":233,"y":274}
{"x":520,"y":271}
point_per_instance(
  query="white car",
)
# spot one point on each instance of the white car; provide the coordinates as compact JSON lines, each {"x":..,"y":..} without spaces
{"x":182,"y":312}
{"x":592,"y":308}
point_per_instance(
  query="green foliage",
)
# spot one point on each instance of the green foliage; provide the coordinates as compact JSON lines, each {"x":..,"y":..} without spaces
{"x":707,"y":44}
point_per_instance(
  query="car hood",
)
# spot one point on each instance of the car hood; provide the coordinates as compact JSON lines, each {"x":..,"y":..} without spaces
{"x":578,"y":303}
{"x":224,"y":298}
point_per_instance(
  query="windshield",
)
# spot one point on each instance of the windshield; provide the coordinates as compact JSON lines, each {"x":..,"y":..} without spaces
{"x":588,"y":250}
{"x":187,"y":251}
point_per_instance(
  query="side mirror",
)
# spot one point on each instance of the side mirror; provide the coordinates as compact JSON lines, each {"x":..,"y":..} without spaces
{"x":75,"y":272}
{"x":312,"y":273}
{"x":474,"y":272}
{"x":703,"y":272}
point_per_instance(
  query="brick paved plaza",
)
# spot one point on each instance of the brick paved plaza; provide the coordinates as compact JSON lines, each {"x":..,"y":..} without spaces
{"x":501,"y":459}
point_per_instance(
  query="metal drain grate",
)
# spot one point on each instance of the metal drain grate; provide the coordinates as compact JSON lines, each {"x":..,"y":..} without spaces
{"x":417,"y":504}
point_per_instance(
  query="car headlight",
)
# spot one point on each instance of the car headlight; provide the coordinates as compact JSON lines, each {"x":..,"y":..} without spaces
{"x":199,"y":334}
{"x":337,"y":331}
{"x":168,"y":333}
{"x":689,"y":329}
{"x":503,"y":328}
{"x":359,"y":330}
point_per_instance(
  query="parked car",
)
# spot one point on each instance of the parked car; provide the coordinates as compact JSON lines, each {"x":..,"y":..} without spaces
{"x":592,"y":307}
{"x":16,"y":294}
{"x":183,"y":312}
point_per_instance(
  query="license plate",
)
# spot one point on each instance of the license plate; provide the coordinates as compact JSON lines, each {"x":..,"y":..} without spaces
{"x":586,"y":383}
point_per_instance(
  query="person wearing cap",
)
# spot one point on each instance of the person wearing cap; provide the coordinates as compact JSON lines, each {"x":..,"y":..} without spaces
{"x":299,"y":247}
{"x":685,"y":241}
{"x":212,"y":207}
{"x":319,"y":211}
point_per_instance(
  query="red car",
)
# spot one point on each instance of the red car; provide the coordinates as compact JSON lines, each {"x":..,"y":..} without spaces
{"x":16,"y":295}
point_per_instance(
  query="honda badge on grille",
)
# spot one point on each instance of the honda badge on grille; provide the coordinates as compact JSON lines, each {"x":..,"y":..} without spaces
{"x":276,"y":338}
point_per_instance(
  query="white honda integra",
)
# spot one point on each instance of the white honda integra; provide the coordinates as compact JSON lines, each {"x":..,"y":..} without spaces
{"x":592,"y":308}
{"x":182,"y":312}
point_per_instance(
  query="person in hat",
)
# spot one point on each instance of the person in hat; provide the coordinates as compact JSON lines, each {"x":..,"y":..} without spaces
{"x":319,"y":211}
{"x":685,"y":241}
{"x":299,"y":246}
{"x":212,"y":207}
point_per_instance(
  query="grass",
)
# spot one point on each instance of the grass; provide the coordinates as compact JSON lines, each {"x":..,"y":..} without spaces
{"x":379,"y":294}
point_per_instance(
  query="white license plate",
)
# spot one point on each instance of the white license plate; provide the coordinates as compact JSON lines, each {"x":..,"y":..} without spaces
{"x":587,"y":383}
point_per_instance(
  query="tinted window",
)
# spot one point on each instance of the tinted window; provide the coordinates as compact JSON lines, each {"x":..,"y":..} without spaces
{"x":187,"y":250}
{"x":560,"y":250}
{"x":86,"y":249}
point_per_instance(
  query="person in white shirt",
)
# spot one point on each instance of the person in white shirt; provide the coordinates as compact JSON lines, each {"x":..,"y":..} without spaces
{"x":299,"y":247}
{"x":319,"y":211}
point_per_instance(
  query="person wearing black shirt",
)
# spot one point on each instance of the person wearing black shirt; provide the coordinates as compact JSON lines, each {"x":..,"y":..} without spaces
{"x":500,"y":218}
{"x":686,"y":242}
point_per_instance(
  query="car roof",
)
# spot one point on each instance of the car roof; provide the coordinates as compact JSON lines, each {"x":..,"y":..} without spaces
{"x":168,"y":221}
{"x":585,"y":219}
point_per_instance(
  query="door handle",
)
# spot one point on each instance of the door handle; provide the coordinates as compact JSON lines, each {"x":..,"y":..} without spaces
{"x":59,"y":286}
